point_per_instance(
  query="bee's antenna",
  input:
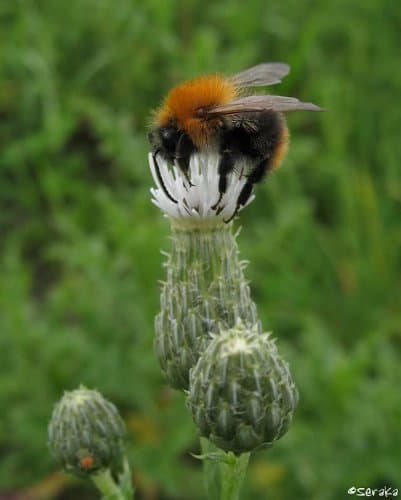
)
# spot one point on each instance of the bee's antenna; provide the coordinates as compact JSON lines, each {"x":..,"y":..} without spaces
{"x":160,"y":178}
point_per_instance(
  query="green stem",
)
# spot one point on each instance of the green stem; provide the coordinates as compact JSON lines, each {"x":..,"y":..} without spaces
{"x":205,"y":291}
{"x":232,"y":474}
{"x":224,"y":473}
{"x":107,"y":486}
{"x":125,"y":481}
{"x":211,"y":470}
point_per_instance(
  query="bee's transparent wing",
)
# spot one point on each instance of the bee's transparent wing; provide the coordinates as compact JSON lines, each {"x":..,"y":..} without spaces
{"x":262,"y":74}
{"x":255,"y":103}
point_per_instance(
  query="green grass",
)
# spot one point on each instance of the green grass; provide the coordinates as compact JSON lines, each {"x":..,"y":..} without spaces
{"x":80,"y":241}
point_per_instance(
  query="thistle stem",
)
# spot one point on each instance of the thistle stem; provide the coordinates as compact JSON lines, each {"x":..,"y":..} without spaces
{"x":211,"y":470}
{"x":125,"y":481}
{"x":223,"y":472}
{"x":107,"y":486}
{"x":205,"y":291}
{"x":232,"y":474}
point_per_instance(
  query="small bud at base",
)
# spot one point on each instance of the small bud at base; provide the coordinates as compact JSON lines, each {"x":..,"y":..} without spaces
{"x":86,"y":433}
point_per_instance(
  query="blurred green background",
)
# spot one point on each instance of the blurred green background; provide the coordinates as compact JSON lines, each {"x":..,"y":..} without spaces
{"x":80,"y":241}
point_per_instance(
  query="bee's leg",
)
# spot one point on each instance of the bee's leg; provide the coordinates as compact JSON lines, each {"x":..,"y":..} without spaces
{"x":226,"y":165}
{"x":160,"y":178}
{"x":185,"y":148}
{"x":254,"y":177}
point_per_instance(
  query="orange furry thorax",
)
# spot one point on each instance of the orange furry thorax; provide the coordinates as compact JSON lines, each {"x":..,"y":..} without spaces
{"x":182,"y":102}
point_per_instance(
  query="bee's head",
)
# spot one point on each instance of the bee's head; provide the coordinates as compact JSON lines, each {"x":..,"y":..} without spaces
{"x":165,"y":139}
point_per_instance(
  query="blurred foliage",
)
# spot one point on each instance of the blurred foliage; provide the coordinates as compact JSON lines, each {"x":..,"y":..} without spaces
{"x":80,"y":241}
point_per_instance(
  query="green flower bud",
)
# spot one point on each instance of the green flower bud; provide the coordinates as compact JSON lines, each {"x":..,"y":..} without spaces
{"x":205,"y":291}
{"x":241,"y":393}
{"x":86,"y":433}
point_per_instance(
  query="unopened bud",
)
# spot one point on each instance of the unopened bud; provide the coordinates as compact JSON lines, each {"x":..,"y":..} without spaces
{"x":241,"y":394}
{"x":86,"y":433}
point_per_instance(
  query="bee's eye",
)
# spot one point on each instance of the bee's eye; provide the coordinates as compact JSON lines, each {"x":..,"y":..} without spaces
{"x":169,"y":137}
{"x":167,"y":133}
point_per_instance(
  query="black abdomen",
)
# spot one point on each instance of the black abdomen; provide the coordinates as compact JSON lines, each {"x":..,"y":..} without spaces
{"x":256,"y":136}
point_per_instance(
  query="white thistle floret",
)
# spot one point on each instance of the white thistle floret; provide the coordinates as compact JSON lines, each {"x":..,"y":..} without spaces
{"x":195,"y":202}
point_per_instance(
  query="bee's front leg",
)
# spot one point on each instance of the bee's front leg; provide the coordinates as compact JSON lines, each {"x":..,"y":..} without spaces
{"x":184,"y":150}
{"x":226,"y":165}
{"x":160,"y":177}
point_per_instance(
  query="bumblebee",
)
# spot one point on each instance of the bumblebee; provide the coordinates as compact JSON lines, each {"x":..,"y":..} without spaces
{"x":213,"y":114}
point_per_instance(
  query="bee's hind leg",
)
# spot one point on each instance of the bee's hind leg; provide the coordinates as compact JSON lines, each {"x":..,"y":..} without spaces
{"x":243,"y":197}
{"x":257,"y":174}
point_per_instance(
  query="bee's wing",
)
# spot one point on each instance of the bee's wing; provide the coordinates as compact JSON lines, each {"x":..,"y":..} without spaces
{"x":262,"y":74}
{"x":255,"y":103}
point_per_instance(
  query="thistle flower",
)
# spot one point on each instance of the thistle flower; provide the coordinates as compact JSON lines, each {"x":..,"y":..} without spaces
{"x":205,"y":289}
{"x":195,"y":200}
{"x":86,"y":433}
{"x":241,"y":394}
